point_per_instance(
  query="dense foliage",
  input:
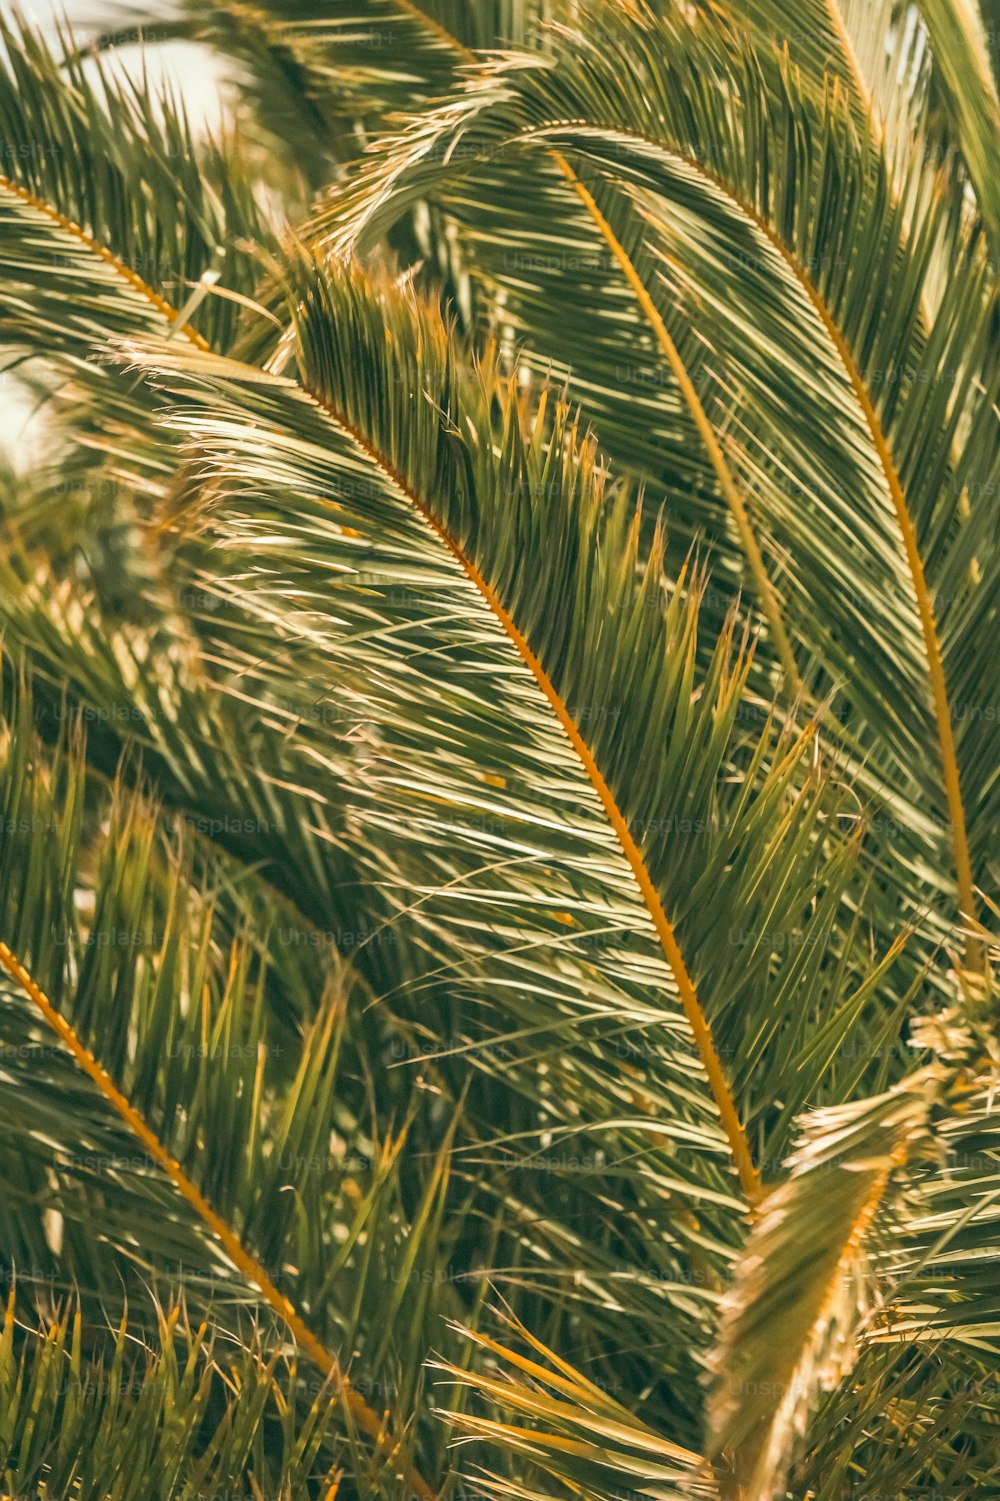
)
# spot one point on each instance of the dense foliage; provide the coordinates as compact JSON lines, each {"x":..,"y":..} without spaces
{"x":498,"y":774}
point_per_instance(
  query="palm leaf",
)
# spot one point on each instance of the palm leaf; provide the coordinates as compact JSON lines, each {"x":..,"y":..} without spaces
{"x":90,"y":1137}
{"x":803,"y":1275}
{"x":872,"y":460}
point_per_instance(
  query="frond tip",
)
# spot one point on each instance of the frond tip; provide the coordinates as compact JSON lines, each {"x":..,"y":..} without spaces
{"x":790,"y":1322}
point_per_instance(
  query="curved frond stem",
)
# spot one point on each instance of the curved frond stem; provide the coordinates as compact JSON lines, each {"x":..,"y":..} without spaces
{"x":730,"y":490}
{"x":765,"y":589}
{"x":366,"y":1418}
{"x":134,"y":280}
{"x":727,"y":484}
{"x":925,"y":605}
{"x":747,"y":1173}
{"x":928,"y":626}
{"x":735,"y":1134}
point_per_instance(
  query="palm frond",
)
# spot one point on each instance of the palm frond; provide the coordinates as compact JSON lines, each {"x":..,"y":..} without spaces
{"x":831,"y":428}
{"x":120,"y":163}
{"x":789,"y":1323}
{"x":157,"y":1048}
{"x":568,"y":1429}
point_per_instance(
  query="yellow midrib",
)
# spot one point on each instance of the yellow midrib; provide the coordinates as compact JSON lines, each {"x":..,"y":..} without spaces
{"x":925,"y":605}
{"x":103,"y":253}
{"x":365,"y":1417}
{"x":724,"y":475}
{"x":748,"y":1175}
{"x":731,"y":1123}
{"x":732,"y":1126}
{"x":925,"y":608}
{"x":944,"y":730}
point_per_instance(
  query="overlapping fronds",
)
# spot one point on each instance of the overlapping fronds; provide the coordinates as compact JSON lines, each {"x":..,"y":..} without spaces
{"x":692,"y":262}
{"x":165,"y":1122}
{"x":497,"y":784}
